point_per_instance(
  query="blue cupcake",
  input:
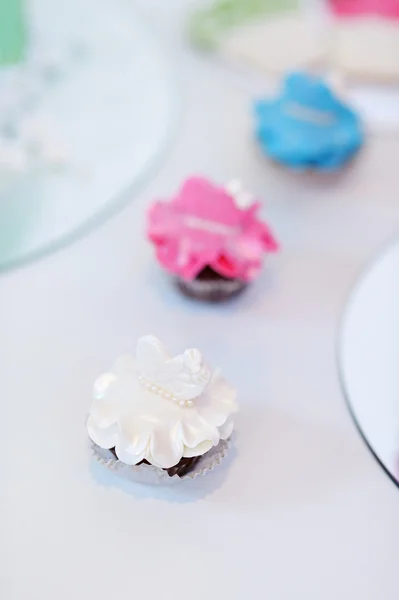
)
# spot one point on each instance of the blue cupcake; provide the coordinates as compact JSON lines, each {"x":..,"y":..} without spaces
{"x":307,"y":126}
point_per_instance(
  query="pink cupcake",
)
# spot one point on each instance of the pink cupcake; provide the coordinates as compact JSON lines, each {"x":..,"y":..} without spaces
{"x":388,"y":9}
{"x":210,"y":239}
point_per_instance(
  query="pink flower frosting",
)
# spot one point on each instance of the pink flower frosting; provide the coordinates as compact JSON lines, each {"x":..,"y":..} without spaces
{"x":384,"y":8}
{"x":204,"y":226}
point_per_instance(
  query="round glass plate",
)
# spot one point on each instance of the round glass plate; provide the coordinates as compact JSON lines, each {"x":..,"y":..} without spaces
{"x":109,"y":97}
{"x":368,"y":356}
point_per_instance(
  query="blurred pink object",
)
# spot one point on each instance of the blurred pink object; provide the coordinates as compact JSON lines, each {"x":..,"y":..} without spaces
{"x":205,"y":226}
{"x":383,"y":8}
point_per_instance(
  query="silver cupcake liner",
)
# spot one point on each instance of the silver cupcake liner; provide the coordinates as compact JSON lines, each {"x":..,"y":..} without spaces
{"x":148,"y":474}
{"x":212,"y":290}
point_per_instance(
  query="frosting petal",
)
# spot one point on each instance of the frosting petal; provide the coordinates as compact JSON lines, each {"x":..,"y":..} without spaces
{"x":127,"y":454}
{"x":227,"y":429}
{"x":199,"y":450}
{"x":134,"y":438}
{"x":195,"y":430}
{"x":218,"y":403}
{"x":166,"y":447}
{"x":105,"y":437}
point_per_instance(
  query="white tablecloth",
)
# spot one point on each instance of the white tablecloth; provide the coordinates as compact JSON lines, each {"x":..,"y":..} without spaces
{"x":302,"y":511}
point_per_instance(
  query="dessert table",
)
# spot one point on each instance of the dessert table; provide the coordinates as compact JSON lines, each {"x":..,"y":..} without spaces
{"x":300,"y":509}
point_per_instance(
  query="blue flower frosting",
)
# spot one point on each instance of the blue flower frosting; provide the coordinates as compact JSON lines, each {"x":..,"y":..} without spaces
{"x":308,"y":127}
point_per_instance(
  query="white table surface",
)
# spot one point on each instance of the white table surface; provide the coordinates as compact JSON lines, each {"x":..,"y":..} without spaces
{"x":302,"y":511}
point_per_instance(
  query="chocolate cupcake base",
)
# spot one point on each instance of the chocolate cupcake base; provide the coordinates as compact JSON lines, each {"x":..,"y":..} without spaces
{"x":210,"y":286}
{"x":183,"y":467}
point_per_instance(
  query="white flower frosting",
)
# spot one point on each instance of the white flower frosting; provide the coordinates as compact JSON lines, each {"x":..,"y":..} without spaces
{"x":159,"y":408}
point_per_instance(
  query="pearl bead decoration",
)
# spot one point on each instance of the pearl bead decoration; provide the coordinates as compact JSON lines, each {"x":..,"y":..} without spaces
{"x":164,"y":393}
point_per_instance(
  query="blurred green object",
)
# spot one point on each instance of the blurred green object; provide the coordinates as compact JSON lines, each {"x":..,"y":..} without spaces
{"x":13,"y":31}
{"x":207,"y":25}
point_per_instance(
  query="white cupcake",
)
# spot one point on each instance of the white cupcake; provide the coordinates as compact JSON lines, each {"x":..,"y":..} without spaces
{"x":157,"y":418}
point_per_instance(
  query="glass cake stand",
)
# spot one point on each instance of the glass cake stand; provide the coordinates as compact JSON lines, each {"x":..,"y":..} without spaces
{"x":97,"y":109}
{"x":368,"y":358}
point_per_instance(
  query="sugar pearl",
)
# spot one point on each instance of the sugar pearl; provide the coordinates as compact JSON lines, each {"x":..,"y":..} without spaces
{"x":161,"y":392}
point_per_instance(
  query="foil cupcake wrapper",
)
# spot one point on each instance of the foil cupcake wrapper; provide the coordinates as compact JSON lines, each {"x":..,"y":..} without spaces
{"x":148,"y":474}
{"x":214,"y":291}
